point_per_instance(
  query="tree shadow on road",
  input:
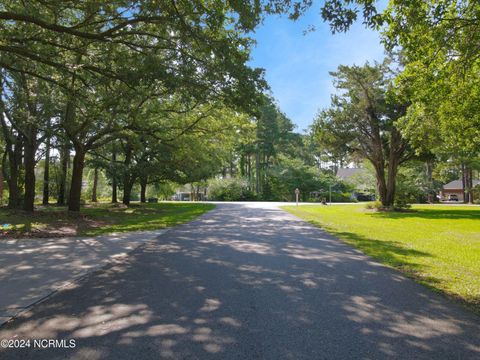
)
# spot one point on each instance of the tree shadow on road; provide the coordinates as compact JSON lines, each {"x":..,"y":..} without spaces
{"x":247,"y":283}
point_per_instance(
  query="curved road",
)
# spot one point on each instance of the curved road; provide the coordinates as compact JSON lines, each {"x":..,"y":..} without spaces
{"x":247,"y":282}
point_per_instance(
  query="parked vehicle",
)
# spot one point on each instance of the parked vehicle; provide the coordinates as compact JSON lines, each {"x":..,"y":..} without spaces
{"x":453,"y":197}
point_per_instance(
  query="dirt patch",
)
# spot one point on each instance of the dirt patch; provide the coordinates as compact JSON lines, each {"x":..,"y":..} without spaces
{"x":47,"y":224}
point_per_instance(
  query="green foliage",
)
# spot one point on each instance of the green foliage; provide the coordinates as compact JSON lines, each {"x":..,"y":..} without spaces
{"x":415,"y":184}
{"x":229,"y":189}
{"x":362,"y":120}
{"x":374,"y":205}
{"x":289,"y":174}
{"x":476,"y":194}
{"x":440,"y":78}
{"x":162,"y":190}
{"x":272,"y":157}
{"x":403,"y":200}
{"x":363,"y":181}
{"x":143,"y":77}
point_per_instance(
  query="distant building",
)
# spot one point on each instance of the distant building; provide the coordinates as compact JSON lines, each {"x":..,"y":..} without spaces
{"x":453,"y":191}
{"x":346,"y":173}
{"x":362,"y":181}
{"x":190,"y":192}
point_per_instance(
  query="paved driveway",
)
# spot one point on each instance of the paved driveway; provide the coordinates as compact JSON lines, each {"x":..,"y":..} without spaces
{"x":248,"y":282}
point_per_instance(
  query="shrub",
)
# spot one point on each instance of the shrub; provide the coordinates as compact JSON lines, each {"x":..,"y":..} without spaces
{"x":232,"y":189}
{"x":375,"y":205}
{"x":365,"y":196}
{"x":248,"y":195}
{"x":402,"y":202}
{"x":342,"y":197}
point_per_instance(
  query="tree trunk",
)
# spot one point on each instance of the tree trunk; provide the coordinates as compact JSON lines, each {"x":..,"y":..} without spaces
{"x":464,"y":183}
{"x":257,"y":173}
{"x":231,"y":166}
{"x":249,"y":171}
{"x":13,"y":179}
{"x":386,"y":182}
{"x":1,"y":184}
{"x":13,"y":190}
{"x":114,"y":192}
{"x":62,"y":186}
{"x":469,"y":185}
{"x":128,"y":179}
{"x":143,"y":190}
{"x":95,"y":184}
{"x":12,"y":156}
{"x":29,"y":158}
{"x":76,"y":183}
{"x":67,"y":120}
{"x":391,"y":180}
{"x":114,"y":179}
{"x":429,"y":173}
{"x":243,"y":166}
{"x":127,"y":191}
{"x":46,"y":173}
{"x":381,"y":185}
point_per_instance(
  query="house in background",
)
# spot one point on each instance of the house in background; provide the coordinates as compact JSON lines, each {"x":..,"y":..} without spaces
{"x":190,"y":192}
{"x":362,"y":180}
{"x":346,"y":173}
{"x":453,"y":191}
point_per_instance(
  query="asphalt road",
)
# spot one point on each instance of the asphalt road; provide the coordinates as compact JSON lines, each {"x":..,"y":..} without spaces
{"x":246,"y":282}
{"x":33,"y":268}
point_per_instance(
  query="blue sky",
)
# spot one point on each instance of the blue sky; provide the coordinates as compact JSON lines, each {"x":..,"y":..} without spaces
{"x":297,"y":65}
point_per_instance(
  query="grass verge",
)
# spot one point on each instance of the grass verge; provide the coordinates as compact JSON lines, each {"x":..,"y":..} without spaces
{"x":437,"y":245}
{"x":97,"y":219}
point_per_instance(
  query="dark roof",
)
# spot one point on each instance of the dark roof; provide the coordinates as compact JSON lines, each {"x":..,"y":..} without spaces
{"x":457,"y":185}
{"x":345,"y":173}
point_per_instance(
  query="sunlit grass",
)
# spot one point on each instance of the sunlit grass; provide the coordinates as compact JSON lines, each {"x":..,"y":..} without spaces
{"x":437,"y":245}
{"x":98,"y":219}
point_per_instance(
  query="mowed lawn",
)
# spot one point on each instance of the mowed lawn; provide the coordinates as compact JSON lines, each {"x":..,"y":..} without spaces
{"x":438,"y":245}
{"x":97,"y":219}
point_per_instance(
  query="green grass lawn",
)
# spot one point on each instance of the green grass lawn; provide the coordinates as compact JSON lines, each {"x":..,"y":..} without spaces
{"x":437,"y":245}
{"x":98,"y":219}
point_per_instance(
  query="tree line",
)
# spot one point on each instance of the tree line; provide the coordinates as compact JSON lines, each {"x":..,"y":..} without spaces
{"x":121,"y":82}
{"x":412,"y":120}
{"x":136,"y":88}
{"x":421,"y":104}
{"x":148,"y":91}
